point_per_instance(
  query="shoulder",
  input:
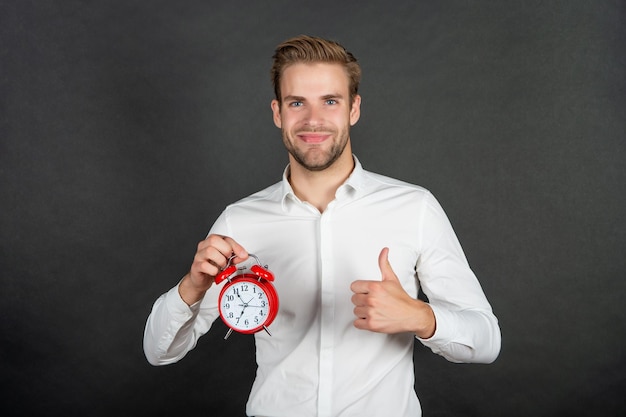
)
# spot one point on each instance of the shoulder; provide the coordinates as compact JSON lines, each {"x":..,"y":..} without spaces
{"x":267,"y":196}
{"x":401,"y":195}
{"x":374,"y":182}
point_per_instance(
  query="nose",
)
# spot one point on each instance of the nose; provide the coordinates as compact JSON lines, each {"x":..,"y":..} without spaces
{"x":313,"y":116}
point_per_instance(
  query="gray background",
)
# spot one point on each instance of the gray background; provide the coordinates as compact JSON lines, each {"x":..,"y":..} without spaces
{"x":126,"y":127}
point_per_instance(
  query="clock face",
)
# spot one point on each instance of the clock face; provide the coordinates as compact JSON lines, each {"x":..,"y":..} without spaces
{"x":245,"y":305}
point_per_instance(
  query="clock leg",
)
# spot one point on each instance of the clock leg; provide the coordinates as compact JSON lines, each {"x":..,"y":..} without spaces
{"x":228,"y":334}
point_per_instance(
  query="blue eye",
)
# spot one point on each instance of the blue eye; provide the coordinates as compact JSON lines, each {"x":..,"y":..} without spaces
{"x":331,"y":101}
{"x":295,"y":104}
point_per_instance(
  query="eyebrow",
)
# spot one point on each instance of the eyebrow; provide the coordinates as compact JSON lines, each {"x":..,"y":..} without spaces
{"x":324,"y":97}
{"x":332,"y":96}
{"x":293,"y":98}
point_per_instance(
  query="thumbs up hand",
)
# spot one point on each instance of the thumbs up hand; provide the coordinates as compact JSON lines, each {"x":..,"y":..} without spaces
{"x":384,"y":307}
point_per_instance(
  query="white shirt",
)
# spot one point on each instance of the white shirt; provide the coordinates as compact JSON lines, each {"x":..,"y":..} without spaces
{"x":316,"y":363}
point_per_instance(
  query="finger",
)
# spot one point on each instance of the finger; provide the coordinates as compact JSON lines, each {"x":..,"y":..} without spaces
{"x":225,"y":247}
{"x":241,"y":254}
{"x":359,"y":324}
{"x":362,"y":324}
{"x":208,"y":260}
{"x":219,"y":243}
{"x":213,"y":249}
{"x":359,"y":300}
{"x":360,"y":312}
{"x":360,"y":287}
{"x":385,"y":266}
{"x":212,"y":255}
{"x":206,"y":268}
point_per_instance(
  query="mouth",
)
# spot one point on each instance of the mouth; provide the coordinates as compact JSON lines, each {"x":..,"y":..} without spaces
{"x":309,"y":137}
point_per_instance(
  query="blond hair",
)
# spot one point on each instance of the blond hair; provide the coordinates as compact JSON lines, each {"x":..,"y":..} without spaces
{"x":309,"y":49}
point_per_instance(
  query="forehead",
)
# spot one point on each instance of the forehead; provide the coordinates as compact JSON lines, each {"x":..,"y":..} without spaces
{"x":317,"y":78}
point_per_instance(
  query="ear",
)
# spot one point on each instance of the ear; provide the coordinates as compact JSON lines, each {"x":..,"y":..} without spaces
{"x":276,"y":113}
{"x":355,"y":111}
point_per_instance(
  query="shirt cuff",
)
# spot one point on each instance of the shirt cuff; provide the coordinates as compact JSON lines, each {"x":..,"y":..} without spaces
{"x":178,"y":308}
{"x":444,"y":331}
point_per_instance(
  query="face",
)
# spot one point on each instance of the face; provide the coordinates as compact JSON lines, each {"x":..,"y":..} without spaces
{"x":315,"y":115}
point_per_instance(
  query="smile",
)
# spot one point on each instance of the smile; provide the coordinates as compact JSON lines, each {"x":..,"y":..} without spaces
{"x":313,"y":137}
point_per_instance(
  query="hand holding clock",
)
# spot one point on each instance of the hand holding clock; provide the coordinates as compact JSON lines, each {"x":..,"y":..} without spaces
{"x":385,"y":307}
{"x":211,"y":256}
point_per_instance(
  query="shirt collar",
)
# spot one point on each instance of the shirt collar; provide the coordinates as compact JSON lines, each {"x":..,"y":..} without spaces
{"x":350,"y":187}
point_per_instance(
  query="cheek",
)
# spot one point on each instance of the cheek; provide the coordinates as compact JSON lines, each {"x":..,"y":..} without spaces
{"x":292,"y":123}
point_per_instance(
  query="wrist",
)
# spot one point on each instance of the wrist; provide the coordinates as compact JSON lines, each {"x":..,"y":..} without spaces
{"x":189,"y":292}
{"x":427,"y":323}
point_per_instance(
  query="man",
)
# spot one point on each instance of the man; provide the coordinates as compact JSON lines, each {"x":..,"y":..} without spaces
{"x":349,"y":249}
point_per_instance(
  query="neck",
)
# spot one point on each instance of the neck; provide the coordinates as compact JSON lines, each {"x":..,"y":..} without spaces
{"x":318,"y":188}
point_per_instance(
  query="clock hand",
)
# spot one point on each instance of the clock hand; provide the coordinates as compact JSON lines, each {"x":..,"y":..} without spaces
{"x":241,"y":315}
{"x":244,"y":305}
{"x":253,"y":305}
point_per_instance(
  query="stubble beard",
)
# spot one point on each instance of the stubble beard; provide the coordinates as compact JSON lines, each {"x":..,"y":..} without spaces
{"x":315,"y":158}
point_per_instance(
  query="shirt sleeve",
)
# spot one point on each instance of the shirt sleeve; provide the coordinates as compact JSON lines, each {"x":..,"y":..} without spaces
{"x":173,"y":328}
{"x":466,"y":328}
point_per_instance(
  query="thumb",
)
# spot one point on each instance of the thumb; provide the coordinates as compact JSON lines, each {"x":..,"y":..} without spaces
{"x":385,"y":266}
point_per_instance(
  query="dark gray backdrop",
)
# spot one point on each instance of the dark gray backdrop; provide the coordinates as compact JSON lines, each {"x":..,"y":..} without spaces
{"x":126,"y":127}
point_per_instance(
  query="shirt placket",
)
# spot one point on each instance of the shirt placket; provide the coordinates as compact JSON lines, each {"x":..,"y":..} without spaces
{"x":327,"y":314}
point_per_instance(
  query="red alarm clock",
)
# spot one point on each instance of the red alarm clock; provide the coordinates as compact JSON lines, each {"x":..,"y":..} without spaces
{"x":248,"y":303}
